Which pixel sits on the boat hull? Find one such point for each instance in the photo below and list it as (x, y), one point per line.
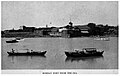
(74, 54)
(15, 41)
(27, 53)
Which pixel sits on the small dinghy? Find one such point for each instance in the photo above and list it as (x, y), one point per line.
(12, 41)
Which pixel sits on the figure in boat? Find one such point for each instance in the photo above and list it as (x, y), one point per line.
(13, 51)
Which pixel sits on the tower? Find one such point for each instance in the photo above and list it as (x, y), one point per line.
(46, 25)
(70, 23)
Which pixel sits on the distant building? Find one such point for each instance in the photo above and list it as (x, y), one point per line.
(27, 29)
(55, 32)
(38, 32)
(84, 30)
(74, 31)
(43, 31)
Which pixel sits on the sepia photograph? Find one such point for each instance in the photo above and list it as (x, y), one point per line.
(59, 35)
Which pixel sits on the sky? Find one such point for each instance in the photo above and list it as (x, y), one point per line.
(57, 13)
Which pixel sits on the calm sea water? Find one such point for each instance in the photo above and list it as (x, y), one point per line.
(55, 57)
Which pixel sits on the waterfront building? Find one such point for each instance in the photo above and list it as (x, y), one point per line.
(43, 31)
(55, 32)
(27, 29)
(70, 30)
(84, 30)
(74, 30)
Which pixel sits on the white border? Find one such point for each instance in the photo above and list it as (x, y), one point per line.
(84, 71)
(90, 71)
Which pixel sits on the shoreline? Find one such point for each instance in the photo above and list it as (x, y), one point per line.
(64, 37)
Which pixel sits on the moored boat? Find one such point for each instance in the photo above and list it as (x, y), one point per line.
(85, 52)
(12, 41)
(19, 38)
(41, 53)
(102, 39)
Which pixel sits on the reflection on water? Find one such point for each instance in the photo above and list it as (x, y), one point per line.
(15, 59)
(71, 59)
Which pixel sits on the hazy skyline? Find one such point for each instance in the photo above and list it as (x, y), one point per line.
(39, 13)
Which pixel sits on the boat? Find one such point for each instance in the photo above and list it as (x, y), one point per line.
(85, 52)
(15, 40)
(102, 39)
(32, 53)
(19, 38)
(12, 41)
